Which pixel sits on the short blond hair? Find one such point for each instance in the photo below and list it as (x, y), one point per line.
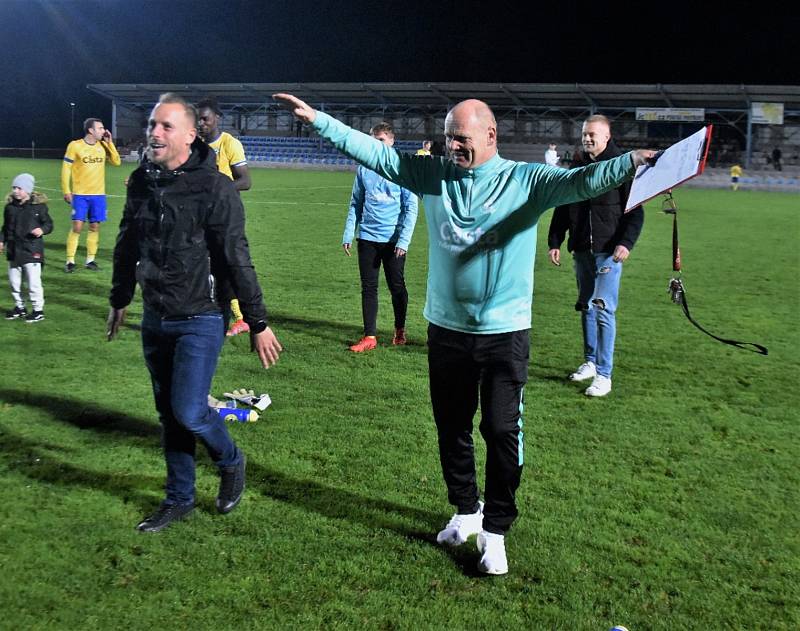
(598, 118)
(189, 109)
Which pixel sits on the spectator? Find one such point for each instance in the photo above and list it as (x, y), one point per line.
(601, 236)
(776, 159)
(25, 221)
(551, 155)
(426, 148)
(385, 214)
(84, 165)
(736, 173)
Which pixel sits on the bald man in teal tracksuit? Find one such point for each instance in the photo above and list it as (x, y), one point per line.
(482, 212)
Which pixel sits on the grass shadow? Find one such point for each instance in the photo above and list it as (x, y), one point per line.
(309, 495)
(336, 503)
(83, 415)
(36, 461)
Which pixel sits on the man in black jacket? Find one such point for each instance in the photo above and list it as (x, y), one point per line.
(601, 236)
(182, 234)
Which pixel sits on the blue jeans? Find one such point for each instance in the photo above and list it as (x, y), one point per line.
(598, 278)
(181, 356)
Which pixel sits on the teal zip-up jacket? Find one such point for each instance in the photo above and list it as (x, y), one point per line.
(481, 224)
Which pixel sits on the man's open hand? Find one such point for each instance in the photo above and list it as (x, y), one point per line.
(300, 109)
(267, 346)
(116, 318)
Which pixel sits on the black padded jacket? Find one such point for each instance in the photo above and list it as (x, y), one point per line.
(599, 224)
(182, 236)
(19, 220)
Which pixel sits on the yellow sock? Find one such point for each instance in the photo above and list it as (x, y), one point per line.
(237, 313)
(72, 245)
(92, 245)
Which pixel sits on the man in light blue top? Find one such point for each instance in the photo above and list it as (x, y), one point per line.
(385, 214)
(482, 212)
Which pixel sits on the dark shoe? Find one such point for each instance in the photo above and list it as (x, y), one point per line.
(34, 316)
(92, 266)
(164, 516)
(15, 313)
(69, 268)
(231, 486)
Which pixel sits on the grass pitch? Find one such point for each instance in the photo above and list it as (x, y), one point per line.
(670, 504)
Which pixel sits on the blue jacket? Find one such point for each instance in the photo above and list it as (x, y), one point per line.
(384, 212)
(481, 224)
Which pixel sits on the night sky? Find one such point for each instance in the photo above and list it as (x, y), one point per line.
(51, 50)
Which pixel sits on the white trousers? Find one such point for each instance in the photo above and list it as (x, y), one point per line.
(33, 277)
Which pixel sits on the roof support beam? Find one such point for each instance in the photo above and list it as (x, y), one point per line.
(512, 96)
(440, 94)
(589, 99)
(378, 95)
(665, 95)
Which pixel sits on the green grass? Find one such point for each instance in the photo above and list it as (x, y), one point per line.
(671, 504)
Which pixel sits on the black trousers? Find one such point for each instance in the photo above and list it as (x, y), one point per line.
(370, 257)
(463, 368)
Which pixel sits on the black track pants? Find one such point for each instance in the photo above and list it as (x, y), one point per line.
(465, 368)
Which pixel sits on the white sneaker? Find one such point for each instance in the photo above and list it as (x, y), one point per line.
(460, 527)
(585, 371)
(493, 553)
(600, 387)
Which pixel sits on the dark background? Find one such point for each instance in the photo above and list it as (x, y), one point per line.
(51, 50)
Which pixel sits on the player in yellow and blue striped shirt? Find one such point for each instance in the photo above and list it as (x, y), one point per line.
(84, 164)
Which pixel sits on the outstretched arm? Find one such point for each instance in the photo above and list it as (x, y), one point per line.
(640, 157)
(406, 171)
(301, 110)
(557, 187)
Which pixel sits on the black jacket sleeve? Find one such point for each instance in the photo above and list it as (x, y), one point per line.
(559, 224)
(230, 253)
(4, 228)
(126, 255)
(46, 222)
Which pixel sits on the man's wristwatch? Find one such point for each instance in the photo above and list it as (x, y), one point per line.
(258, 327)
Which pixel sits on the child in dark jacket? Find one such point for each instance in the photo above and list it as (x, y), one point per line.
(25, 220)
